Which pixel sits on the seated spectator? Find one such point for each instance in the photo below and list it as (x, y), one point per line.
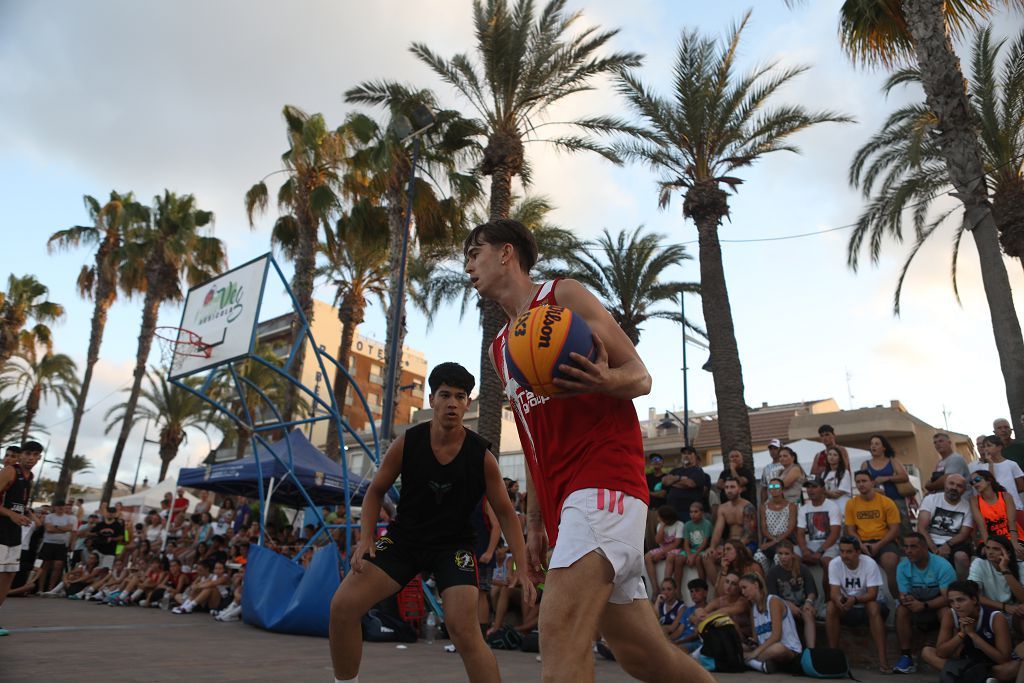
(729, 602)
(668, 537)
(774, 628)
(204, 590)
(668, 607)
(950, 462)
(838, 480)
(793, 582)
(792, 476)
(994, 511)
(1007, 472)
(81, 576)
(175, 581)
(828, 439)
(974, 632)
(818, 528)
(233, 612)
(156, 575)
(874, 520)
(696, 538)
(744, 476)
(153, 529)
(734, 557)
(778, 521)
(771, 470)
(97, 589)
(685, 634)
(947, 524)
(999, 574)
(854, 579)
(736, 519)
(922, 578)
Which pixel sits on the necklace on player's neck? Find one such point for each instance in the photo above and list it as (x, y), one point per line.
(526, 304)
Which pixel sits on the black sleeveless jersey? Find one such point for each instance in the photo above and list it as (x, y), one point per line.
(437, 500)
(14, 497)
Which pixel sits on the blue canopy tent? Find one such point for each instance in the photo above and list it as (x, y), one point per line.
(319, 475)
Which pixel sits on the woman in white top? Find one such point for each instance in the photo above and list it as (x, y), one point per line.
(773, 626)
(838, 480)
(792, 475)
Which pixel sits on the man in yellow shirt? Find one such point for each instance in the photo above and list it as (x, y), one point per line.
(873, 518)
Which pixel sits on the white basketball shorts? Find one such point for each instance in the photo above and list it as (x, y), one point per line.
(612, 523)
(10, 559)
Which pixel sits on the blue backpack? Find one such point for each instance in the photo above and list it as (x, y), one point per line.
(825, 662)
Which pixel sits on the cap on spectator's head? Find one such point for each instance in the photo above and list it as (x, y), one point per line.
(774, 443)
(111, 509)
(825, 429)
(656, 458)
(814, 481)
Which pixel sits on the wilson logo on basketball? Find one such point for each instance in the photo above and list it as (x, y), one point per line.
(553, 315)
(225, 302)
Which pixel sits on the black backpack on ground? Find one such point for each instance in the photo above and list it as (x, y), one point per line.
(825, 662)
(382, 627)
(721, 642)
(505, 638)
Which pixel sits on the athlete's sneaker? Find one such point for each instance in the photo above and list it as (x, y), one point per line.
(905, 665)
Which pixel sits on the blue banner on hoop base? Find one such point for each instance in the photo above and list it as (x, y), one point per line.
(281, 596)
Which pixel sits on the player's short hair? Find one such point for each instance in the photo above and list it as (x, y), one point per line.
(452, 374)
(31, 447)
(505, 231)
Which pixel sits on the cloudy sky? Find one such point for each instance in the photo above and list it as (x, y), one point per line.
(188, 96)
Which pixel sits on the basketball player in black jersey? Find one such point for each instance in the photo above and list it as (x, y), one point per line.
(15, 491)
(445, 470)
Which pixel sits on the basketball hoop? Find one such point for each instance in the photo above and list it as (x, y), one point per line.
(177, 344)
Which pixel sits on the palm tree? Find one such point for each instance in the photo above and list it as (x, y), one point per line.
(99, 282)
(887, 31)
(307, 199)
(902, 167)
(382, 168)
(158, 254)
(715, 123)
(75, 464)
(626, 271)
(52, 377)
(357, 266)
(527, 62)
(172, 410)
(24, 301)
(12, 418)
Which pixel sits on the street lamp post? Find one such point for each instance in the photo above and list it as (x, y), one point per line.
(686, 393)
(423, 119)
(138, 465)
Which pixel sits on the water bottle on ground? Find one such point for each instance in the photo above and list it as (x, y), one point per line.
(430, 629)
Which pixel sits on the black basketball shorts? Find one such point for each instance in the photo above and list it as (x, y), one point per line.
(453, 565)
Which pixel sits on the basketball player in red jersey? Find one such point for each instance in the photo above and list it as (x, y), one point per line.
(588, 492)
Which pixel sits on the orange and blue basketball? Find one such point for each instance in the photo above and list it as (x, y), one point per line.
(542, 339)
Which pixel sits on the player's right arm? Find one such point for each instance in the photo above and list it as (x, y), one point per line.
(7, 476)
(387, 473)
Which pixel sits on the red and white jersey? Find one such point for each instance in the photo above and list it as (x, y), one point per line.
(581, 442)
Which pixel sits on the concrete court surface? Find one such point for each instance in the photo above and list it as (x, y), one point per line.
(65, 641)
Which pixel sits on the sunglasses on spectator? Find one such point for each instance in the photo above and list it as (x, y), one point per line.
(774, 486)
(976, 479)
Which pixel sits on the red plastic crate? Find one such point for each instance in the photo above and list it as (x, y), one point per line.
(411, 606)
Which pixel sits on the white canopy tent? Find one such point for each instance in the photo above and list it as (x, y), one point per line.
(145, 500)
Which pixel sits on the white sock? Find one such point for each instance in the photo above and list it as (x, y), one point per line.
(756, 665)
(347, 680)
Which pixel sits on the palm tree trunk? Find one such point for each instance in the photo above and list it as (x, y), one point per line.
(706, 203)
(104, 297)
(946, 95)
(169, 447)
(10, 327)
(150, 308)
(31, 410)
(351, 315)
(302, 287)
(396, 232)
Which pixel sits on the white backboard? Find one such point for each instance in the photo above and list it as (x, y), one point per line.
(224, 312)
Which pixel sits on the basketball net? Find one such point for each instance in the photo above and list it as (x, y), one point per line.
(176, 344)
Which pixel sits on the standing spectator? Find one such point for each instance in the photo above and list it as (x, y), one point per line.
(81, 535)
(1013, 449)
(794, 583)
(946, 522)
(734, 469)
(854, 581)
(778, 522)
(887, 471)
(79, 510)
(950, 462)
(107, 534)
(180, 505)
(204, 503)
(773, 625)
(686, 484)
(1007, 472)
(771, 470)
(994, 512)
(828, 439)
(973, 632)
(838, 480)
(658, 495)
(668, 539)
(792, 475)
(59, 526)
(922, 579)
(818, 528)
(1000, 576)
(874, 521)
